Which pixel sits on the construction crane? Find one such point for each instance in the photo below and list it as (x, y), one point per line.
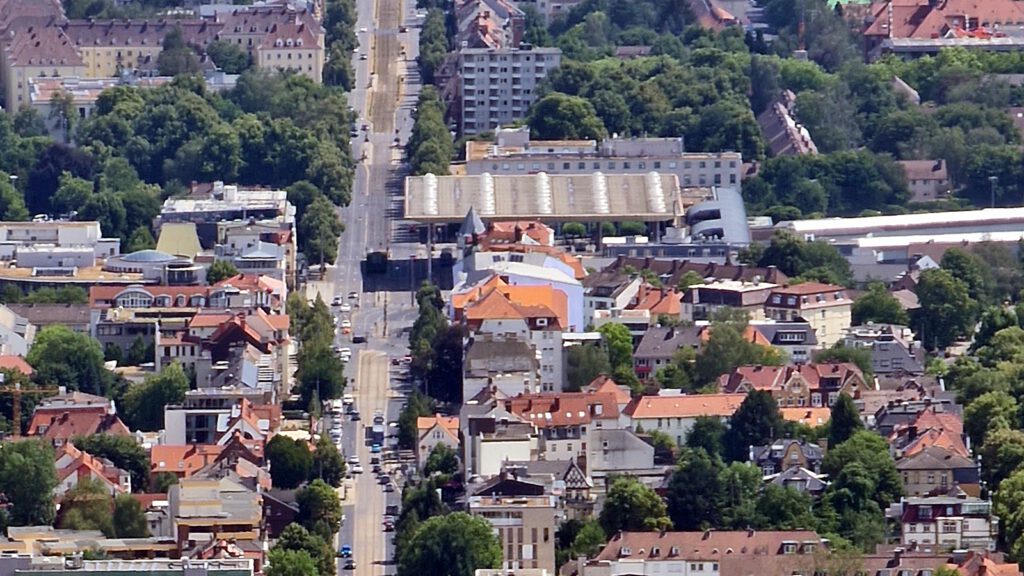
(16, 391)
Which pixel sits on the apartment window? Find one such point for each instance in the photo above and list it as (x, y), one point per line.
(657, 164)
(581, 166)
(950, 526)
(625, 165)
(672, 164)
(611, 165)
(565, 165)
(718, 163)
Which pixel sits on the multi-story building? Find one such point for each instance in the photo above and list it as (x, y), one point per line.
(70, 415)
(31, 52)
(264, 33)
(826, 307)
(226, 202)
(894, 349)
(498, 86)
(609, 290)
(659, 346)
(783, 454)
(512, 152)
(435, 430)
(957, 522)
(26, 243)
(701, 301)
(204, 510)
(796, 340)
(928, 180)
(796, 386)
(239, 240)
(111, 47)
(550, 9)
(525, 526)
(935, 470)
(675, 414)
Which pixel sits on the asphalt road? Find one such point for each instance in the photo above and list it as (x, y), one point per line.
(386, 89)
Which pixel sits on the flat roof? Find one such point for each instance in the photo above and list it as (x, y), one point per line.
(966, 237)
(545, 197)
(879, 224)
(736, 286)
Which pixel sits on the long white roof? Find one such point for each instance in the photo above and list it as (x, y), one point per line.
(879, 224)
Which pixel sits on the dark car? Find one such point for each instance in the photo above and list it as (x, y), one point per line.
(391, 510)
(350, 565)
(359, 339)
(389, 526)
(356, 417)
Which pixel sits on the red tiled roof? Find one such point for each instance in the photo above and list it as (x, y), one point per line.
(99, 294)
(710, 545)
(563, 409)
(182, 460)
(604, 384)
(85, 464)
(64, 423)
(685, 406)
(11, 362)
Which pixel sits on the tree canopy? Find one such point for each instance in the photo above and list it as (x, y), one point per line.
(456, 544)
(631, 506)
(290, 461)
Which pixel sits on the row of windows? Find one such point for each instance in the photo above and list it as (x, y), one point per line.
(625, 164)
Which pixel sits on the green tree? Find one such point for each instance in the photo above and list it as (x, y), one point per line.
(727, 349)
(107, 209)
(27, 479)
(281, 562)
(296, 538)
(129, 518)
(319, 231)
(970, 270)
(162, 482)
(319, 509)
(860, 357)
(844, 422)
(989, 412)
(809, 260)
(72, 194)
(1001, 454)
(1008, 503)
(290, 462)
(559, 116)
(631, 506)
(454, 545)
(138, 352)
(679, 373)
(62, 357)
(785, 508)
(176, 57)
(739, 485)
(443, 459)
(574, 230)
(619, 344)
(87, 506)
(416, 405)
(708, 434)
(328, 465)
(228, 57)
(123, 451)
(755, 423)
(871, 453)
(584, 363)
(12, 203)
(690, 278)
(433, 44)
(320, 373)
(693, 491)
(143, 405)
(946, 310)
(879, 306)
(220, 270)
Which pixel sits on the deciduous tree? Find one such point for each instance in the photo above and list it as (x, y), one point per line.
(454, 545)
(27, 479)
(290, 461)
(631, 506)
(319, 509)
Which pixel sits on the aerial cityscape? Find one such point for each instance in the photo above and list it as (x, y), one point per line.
(512, 287)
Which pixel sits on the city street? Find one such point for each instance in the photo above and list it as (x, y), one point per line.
(386, 90)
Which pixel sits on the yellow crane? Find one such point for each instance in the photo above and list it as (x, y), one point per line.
(15, 390)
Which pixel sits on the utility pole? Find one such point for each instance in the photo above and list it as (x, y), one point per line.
(993, 181)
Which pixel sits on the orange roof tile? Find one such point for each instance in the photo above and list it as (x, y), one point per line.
(553, 300)
(11, 362)
(62, 423)
(563, 409)
(446, 422)
(184, 460)
(659, 300)
(806, 416)
(604, 384)
(462, 299)
(204, 320)
(685, 406)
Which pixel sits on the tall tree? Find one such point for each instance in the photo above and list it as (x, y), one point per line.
(176, 57)
(220, 270)
(328, 465)
(319, 230)
(296, 538)
(442, 459)
(755, 423)
(844, 422)
(693, 491)
(123, 451)
(319, 509)
(989, 412)
(454, 545)
(969, 269)
(879, 306)
(559, 116)
(290, 461)
(619, 344)
(290, 563)
(87, 506)
(143, 405)
(708, 433)
(946, 309)
(62, 357)
(631, 506)
(871, 453)
(129, 518)
(27, 479)
(583, 363)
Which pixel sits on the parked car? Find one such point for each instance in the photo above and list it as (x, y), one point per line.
(357, 469)
(350, 565)
(375, 449)
(346, 551)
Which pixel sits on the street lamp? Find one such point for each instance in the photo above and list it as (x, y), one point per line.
(993, 180)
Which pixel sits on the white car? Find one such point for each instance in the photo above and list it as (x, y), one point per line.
(345, 308)
(353, 459)
(357, 468)
(362, 30)
(347, 399)
(346, 323)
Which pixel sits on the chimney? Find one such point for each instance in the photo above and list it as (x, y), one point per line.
(707, 534)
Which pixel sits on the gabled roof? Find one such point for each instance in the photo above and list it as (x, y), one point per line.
(807, 416)
(449, 424)
(604, 384)
(63, 423)
(472, 225)
(563, 409)
(82, 463)
(934, 458)
(710, 545)
(664, 341)
(184, 460)
(799, 476)
(659, 301)
(11, 362)
(684, 406)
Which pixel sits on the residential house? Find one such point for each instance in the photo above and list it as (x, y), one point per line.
(975, 564)
(935, 470)
(784, 135)
(928, 180)
(825, 306)
(659, 346)
(238, 241)
(808, 416)
(671, 271)
(525, 527)
(636, 321)
(915, 29)
(603, 384)
(797, 340)
(66, 416)
(196, 422)
(613, 452)
(533, 314)
(510, 365)
(435, 430)
(894, 350)
(929, 427)
(799, 479)
(609, 290)
(561, 478)
(73, 316)
(796, 386)
(567, 422)
(659, 302)
(958, 522)
(182, 460)
(204, 509)
(73, 465)
(783, 454)
(702, 301)
(675, 414)
(708, 553)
